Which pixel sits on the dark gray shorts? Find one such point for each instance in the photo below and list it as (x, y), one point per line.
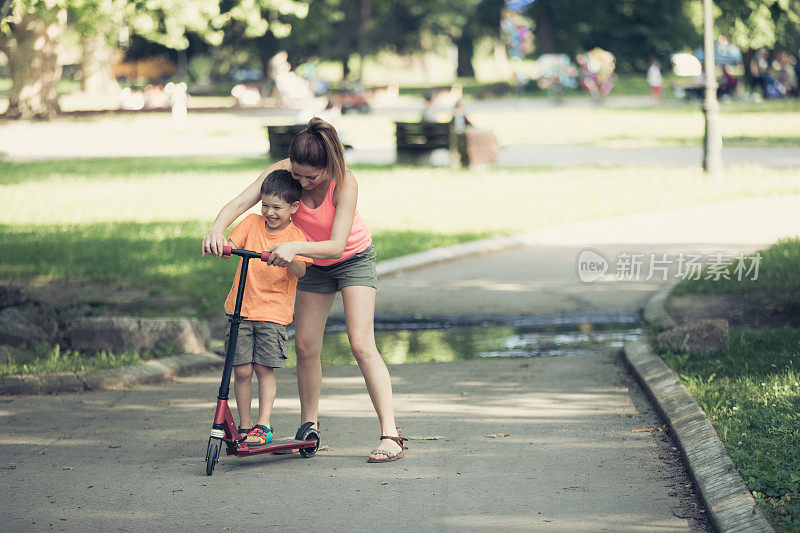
(260, 342)
(358, 269)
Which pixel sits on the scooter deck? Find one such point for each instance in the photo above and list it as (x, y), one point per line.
(281, 444)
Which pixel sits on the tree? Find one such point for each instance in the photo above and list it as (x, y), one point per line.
(634, 31)
(35, 70)
(32, 48)
(464, 22)
(337, 29)
(752, 24)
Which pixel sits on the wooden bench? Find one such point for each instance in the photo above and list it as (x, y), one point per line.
(280, 137)
(416, 141)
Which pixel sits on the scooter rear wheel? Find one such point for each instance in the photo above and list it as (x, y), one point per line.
(311, 450)
(212, 455)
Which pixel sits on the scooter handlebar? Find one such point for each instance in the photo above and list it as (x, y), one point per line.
(227, 251)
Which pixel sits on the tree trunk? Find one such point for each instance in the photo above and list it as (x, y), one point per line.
(345, 67)
(96, 74)
(362, 38)
(466, 47)
(32, 51)
(545, 30)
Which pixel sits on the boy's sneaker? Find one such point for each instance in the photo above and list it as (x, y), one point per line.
(261, 433)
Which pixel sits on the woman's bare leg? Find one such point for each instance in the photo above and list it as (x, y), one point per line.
(359, 315)
(311, 311)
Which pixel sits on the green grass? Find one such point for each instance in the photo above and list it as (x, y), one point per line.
(752, 396)
(159, 256)
(46, 360)
(752, 392)
(778, 278)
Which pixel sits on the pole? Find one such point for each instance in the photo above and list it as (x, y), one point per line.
(712, 154)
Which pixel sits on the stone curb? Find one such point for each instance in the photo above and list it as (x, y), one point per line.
(153, 371)
(454, 251)
(729, 504)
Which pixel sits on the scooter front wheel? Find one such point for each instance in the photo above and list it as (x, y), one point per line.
(212, 455)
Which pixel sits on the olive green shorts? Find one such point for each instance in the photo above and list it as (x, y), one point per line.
(260, 342)
(358, 269)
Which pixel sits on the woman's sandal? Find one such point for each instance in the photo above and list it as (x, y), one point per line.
(390, 455)
(261, 433)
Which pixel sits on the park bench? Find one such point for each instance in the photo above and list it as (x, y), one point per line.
(280, 137)
(417, 142)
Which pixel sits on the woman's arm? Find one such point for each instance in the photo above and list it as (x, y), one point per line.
(345, 200)
(215, 240)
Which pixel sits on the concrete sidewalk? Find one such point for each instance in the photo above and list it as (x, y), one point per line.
(133, 460)
(581, 453)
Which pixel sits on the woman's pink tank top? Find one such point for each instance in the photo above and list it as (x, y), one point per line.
(317, 224)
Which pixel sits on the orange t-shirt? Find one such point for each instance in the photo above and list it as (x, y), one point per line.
(269, 290)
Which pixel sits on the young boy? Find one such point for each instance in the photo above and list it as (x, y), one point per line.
(268, 302)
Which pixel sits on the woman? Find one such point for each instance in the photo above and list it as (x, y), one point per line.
(344, 260)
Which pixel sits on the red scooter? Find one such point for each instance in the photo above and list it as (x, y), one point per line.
(224, 429)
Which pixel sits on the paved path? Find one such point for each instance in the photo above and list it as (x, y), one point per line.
(132, 460)
(572, 462)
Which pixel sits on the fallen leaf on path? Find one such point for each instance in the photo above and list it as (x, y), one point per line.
(68, 468)
(645, 430)
(496, 435)
(432, 437)
(113, 446)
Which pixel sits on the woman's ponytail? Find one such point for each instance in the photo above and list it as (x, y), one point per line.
(318, 146)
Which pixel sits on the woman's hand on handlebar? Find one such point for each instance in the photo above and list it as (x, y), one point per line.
(282, 254)
(213, 243)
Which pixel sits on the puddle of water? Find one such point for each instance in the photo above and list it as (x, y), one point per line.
(462, 343)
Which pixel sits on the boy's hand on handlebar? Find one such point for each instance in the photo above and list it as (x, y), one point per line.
(282, 254)
(213, 243)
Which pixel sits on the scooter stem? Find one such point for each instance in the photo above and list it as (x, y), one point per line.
(235, 320)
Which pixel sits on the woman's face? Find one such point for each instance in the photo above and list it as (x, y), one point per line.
(309, 177)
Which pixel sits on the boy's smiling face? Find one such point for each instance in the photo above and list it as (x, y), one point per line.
(277, 211)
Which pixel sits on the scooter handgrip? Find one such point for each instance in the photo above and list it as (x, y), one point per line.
(265, 255)
(226, 251)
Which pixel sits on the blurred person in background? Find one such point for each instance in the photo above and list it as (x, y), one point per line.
(655, 81)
